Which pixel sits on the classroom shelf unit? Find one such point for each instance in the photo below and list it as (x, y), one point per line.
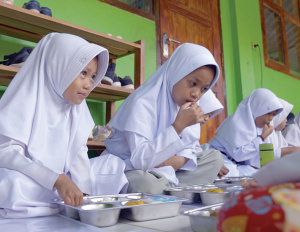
(30, 26)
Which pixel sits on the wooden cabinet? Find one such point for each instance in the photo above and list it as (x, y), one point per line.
(27, 25)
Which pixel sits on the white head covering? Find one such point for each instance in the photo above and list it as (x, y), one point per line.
(150, 109)
(276, 137)
(33, 110)
(239, 128)
(209, 103)
(292, 132)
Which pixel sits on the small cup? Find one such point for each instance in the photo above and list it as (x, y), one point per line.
(107, 184)
(266, 153)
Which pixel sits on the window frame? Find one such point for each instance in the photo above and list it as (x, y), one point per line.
(282, 13)
(151, 16)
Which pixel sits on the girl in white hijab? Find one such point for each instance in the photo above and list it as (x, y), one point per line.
(44, 126)
(239, 136)
(156, 129)
(292, 132)
(279, 142)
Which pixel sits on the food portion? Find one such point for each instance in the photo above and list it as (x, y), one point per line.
(214, 191)
(135, 202)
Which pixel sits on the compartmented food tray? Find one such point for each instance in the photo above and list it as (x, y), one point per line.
(105, 210)
(203, 219)
(198, 193)
(227, 181)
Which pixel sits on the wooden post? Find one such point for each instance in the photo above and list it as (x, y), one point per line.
(139, 65)
(110, 110)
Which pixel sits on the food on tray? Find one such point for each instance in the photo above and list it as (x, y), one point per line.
(135, 203)
(244, 179)
(214, 191)
(209, 213)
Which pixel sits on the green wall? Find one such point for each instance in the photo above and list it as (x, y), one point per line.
(104, 18)
(244, 66)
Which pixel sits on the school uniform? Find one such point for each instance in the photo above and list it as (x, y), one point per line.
(41, 134)
(237, 137)
(142, 131)
(276, 137)
(292, 132)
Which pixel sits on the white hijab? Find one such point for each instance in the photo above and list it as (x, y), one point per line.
(33, 110)
(239, 128)
(210, 104)
(276, 137)
(292, 132)
(150, 109)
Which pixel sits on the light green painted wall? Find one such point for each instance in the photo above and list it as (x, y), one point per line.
(241, 26)
(104, 18)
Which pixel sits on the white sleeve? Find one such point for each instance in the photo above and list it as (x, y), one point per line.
(283, 170)
(80, 170)
(147, 154)
(12, 156)
(191, 164)
(246, 152)
(277, 153)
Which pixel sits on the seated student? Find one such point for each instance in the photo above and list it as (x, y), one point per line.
(211, 107)
(239, 136)
(44, 126)
(292, 132)
(156, 129)
(255, 210)
(279, 143)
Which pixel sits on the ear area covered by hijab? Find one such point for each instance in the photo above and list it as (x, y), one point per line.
(239, 128)
(33, 110)
(276, 137)
(210, 104)
(150, 109)
(292, 132)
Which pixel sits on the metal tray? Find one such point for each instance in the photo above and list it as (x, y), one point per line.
(232, 180)
(202, 219)
(161, 207)
(72, 212)
(97, 213)
(195, 193)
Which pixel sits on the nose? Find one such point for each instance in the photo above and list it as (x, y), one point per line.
(196, 94)
(88, 84)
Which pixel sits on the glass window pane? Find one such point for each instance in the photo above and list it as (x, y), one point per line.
(291, 6)
(145, 5)
(293, 44)
(278, 2)
(274, 35)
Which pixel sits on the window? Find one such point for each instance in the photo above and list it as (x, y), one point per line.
(144, 8)
(281, 35)
(144, 5)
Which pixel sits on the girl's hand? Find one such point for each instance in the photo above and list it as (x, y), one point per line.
(224, 171)
(187, 117)
(68, 191)
(250, 184)
(268, 129)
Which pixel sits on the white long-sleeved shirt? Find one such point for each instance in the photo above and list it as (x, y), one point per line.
(14, 156)
(141, 154)
(248, 153)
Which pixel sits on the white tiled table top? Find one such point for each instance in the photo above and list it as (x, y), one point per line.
(59, 223)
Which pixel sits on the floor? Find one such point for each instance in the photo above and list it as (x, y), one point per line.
(59, 223)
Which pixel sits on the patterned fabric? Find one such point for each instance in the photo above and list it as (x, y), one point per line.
(253, 211)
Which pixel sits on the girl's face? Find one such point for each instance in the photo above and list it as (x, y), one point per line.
(281, 126)
(193, 86)
(264, 119)
(81, 87)
(206, 118)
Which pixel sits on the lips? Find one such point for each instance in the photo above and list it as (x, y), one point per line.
(84, 95)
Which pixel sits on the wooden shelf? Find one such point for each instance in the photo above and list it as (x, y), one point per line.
(27, 25)
(94, 145)
(100, 93)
